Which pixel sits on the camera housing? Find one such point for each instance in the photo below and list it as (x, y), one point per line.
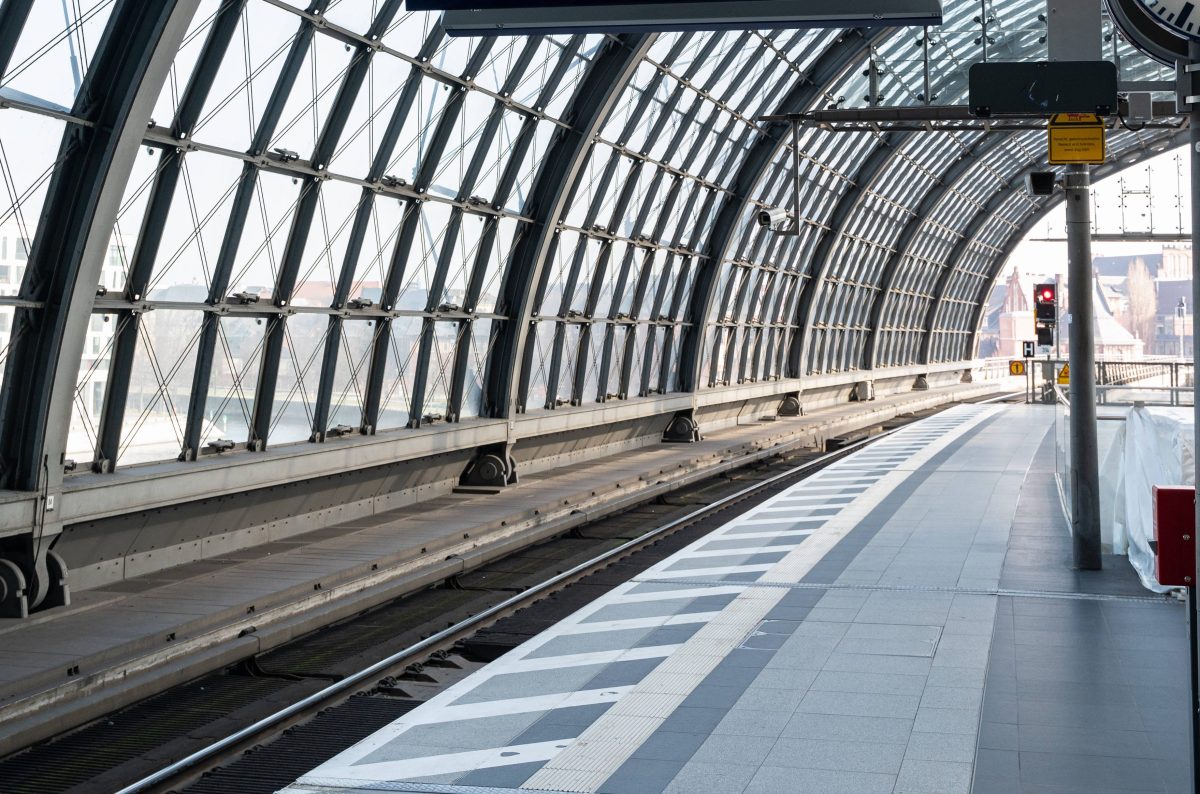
(1040, 183)
(774, 218)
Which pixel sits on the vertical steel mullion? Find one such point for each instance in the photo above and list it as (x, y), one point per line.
(395, 272)
(425, 174)
(589, 312)
(238, 215)
(814, 300)
(416, 415)
(838, 55)
(635, 311)
(210, 327)
(563, 162)
(285, 284)
(568, 295)
(108, 436)
(555, 369)
(606, 353)
(438, 283)
(458, 375)
(945, 185)
(326, 145)
(158, 208)
(610, 334)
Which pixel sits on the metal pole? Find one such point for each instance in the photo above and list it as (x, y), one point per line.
(1085, 475)
(1193, 88)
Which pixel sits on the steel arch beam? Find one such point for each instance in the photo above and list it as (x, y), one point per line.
(822, 259)
(946, 184)
(972, 227)
(846, 49)
(118, 93)
(599, 90)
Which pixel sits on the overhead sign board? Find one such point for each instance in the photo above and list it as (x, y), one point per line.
(1076, 138)
(516, 17)
(1040, 88)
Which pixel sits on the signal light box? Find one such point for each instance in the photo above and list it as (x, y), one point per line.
(518, 17)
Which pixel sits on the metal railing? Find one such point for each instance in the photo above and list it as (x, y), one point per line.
(1161, 381)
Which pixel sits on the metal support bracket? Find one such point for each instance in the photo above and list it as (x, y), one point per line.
(790, 405)
(682, 429)
(492, 467)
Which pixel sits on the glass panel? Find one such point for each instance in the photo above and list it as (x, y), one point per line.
(90, 387)
(350, 378)
(160, 385)
(396, 401)
(229, 406)
(441, 369)
(55, 49)
(481, 349)
(299, 373)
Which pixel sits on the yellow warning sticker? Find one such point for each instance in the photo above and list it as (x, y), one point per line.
(1076, 144)
(1074, 118)
(1064, 375)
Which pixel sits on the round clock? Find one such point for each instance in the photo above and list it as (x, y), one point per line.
(1180, 16)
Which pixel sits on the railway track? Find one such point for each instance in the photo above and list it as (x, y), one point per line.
(261, 724)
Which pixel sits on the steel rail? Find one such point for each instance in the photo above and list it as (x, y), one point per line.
(349, 683)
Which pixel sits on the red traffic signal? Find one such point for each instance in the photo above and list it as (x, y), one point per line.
(1045, 307)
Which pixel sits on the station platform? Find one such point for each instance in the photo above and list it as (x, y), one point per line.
(131, 639)
(906, 620)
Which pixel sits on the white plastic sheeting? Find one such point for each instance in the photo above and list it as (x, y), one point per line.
(1155, 446)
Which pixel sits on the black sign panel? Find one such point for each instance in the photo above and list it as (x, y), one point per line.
(1040, 88)
(489, 5)
(517, 17)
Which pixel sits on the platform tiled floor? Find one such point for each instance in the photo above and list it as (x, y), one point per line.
(847, 635)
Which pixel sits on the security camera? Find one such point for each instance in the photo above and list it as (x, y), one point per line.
(1039, 183)
(774, 218)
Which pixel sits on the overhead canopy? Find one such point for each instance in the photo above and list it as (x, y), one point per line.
(271, 222)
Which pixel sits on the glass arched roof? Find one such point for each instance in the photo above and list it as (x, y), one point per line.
(278, 222)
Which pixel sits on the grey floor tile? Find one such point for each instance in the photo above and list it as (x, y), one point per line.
(1059, 769)
(879, 683)
(1084, 740)
(952, 697)
(730, 748)
(771, 700)
(931, 720)
(774, 780)
(691, 719)
(860, 705)
(641, 775)
(798, 679)
(849, 728)
(715, 777)
(500, 776)
(836, 755)
(933, 777)
(872, 663)
(998, 736)
(751, 722)
(956, 747)
(669, 746)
